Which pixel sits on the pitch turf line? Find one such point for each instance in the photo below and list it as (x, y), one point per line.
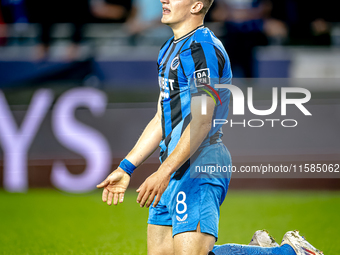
(49, 222)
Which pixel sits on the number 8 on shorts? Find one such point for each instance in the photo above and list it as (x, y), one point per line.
(181, 202)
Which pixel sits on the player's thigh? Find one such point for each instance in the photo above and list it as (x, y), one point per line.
(160, 241)
(193, 243)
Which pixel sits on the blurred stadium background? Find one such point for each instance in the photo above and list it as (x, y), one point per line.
(67, 64)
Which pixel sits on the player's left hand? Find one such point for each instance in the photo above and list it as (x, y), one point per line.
(153, 186)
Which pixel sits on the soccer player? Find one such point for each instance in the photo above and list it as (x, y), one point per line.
(184, 196)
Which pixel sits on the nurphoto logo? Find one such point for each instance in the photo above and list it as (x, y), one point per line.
(239, 105)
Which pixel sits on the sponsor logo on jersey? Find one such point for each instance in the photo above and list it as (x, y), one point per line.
(182, 219)
(166, 85)
(202, 77)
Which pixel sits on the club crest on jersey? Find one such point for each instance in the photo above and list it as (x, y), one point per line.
(175, 63)
(202, 77)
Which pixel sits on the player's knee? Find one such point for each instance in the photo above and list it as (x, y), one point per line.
(165, 248)
(160, 240)
(193, 243)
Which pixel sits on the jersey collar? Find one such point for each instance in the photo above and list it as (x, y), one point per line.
(187, 35)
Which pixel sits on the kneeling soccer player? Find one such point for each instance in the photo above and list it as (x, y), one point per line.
(188, 188)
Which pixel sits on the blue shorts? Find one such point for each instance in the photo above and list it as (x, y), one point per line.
(188, 201)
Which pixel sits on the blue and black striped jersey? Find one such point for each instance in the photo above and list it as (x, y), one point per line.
(187, 67)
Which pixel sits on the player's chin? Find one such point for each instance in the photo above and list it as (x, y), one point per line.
(165, 20)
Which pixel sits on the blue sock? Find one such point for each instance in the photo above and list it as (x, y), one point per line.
(237, 249)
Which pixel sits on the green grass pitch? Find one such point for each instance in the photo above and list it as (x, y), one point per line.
(46, 221)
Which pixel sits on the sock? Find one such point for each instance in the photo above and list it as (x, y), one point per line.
(237, 249)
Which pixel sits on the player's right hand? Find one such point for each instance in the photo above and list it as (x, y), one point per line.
(115, 186)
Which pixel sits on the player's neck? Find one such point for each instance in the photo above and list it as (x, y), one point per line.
(181, 30)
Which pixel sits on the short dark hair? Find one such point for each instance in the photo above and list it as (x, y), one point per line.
(206, 5)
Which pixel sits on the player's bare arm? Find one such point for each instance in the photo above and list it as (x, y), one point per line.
(148, 141)
(194, 134)
(117, 182)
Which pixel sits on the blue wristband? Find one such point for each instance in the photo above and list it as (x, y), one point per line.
(127, 166)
